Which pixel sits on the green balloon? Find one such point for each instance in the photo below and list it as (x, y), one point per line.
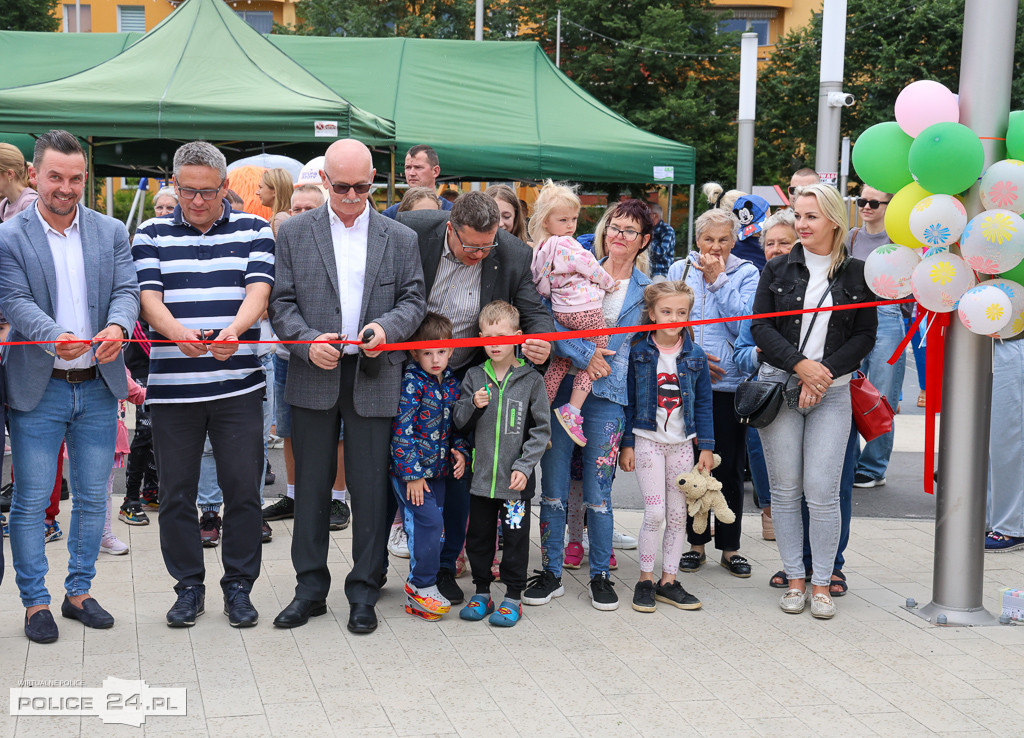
(880, 157)
(1015, 135)
(1016, 274)
(946, 158)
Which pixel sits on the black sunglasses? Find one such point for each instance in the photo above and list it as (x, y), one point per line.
(341, 188)
(873, 204)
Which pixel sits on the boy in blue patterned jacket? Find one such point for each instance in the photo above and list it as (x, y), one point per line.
(422, 452)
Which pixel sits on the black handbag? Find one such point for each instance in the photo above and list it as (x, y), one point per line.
(758, 401)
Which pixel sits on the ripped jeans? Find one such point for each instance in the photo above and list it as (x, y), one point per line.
(603, 424)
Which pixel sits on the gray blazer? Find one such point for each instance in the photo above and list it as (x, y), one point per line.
(305, 302)
(28, 297)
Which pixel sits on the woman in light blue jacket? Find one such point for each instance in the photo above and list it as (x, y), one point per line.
(723, 286)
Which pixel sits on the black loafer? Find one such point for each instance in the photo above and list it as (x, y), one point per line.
(90, 614)
(692, 561)
(362, 618)
(41, 628)
(299, 612)
(737, 566)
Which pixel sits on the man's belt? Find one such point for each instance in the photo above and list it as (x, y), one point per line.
(74, 376)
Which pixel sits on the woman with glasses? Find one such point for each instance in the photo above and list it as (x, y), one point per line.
(723, 285)
(164, 202)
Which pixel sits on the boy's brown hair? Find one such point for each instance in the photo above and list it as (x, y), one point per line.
(434, 327)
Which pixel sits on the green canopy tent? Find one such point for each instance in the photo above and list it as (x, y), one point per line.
(201, 73)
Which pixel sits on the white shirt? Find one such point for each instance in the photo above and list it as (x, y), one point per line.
(350, 259)
(72, 304)
(670, 427)
(817, 283)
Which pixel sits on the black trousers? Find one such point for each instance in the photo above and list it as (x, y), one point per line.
(367, 457)
(484, 514)
(235, 426)
(141, 470)
(731, 445)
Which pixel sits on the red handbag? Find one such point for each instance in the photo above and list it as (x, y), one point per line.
(871, 411)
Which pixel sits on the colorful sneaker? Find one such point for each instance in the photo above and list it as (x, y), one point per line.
(460, 564)
(572, 422)
(428, 599)
(573, 555)
(478, 607)
(398, 543)
(998, 543)
(612, 563)
(507, 615)
(496, 569)
(132, 514)
(52, 531)
(150, 499)
(209, 529)
(541, 588)
(413, 609)
(112, 545)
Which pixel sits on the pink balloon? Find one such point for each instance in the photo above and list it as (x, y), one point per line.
(924, 103)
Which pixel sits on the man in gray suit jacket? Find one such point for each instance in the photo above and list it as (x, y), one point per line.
(66, 274)
(343, 271)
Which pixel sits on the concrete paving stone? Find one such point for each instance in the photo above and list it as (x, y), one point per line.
(416, 715)
(48, 726)
(194, 718)
(840, 721)
(894, 723)
(354, 709)
(490, 723)
(784, 727)
(989, 713)
(598, 726)
(932, 712)
(251, 726)
(298, 718)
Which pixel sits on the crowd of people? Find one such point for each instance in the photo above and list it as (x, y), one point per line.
(439, 462)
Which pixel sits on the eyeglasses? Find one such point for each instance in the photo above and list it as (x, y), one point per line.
(628, 235)
(471, 249)
(873, 204)
(340, 188)
(189, 193)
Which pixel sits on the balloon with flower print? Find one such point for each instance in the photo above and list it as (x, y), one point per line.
(888, 268)
(985, 309)
(1002, 186)
(1015, 292)
(993, 241)
(938, 220)
(940, 280)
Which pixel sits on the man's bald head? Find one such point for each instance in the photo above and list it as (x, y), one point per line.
(347, 162)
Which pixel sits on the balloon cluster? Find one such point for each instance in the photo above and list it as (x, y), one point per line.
(929, 160)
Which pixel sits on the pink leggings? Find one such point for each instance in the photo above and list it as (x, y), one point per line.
(587, 320)
(657, 466)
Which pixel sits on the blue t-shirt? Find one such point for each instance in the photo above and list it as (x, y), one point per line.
(392, 211)
(203, 277)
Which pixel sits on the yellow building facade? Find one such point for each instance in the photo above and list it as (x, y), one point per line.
(112, 16)
(770, 19)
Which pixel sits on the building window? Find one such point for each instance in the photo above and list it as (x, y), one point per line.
(131, 18)
(70, 18)
(262, 21)
(743, 25)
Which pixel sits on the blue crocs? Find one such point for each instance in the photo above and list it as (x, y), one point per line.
(507, 615)
(478, 607)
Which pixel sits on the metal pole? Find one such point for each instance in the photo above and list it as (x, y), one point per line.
(689, 230)
(479, 30)
(391, 178)
(668, 215)
(747, 109)
(110, 196)
(844, 167)
(558, 40)
(986, 70)
(78, 16)
(833, 49)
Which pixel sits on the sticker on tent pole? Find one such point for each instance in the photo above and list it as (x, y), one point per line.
(325, 129)
(662, 174)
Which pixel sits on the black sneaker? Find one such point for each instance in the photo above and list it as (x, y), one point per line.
(541, 588)
(675, 595)
(283, 508)
(209, 529)
(267, 534)
(188, 607)
(65, 491)
(865, 481)
(449, 587)
(238, 607)
(602, 596)
(643, 597)
(268, 476)
(340, 515)
(6, 495)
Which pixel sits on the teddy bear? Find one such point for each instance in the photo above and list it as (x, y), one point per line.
(704, 493)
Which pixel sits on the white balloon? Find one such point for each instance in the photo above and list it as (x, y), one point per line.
(993, 241)
(888, 268)
(1015, 292)
(940, 280)
(1002, 186)
(938, 220)
(985, 309)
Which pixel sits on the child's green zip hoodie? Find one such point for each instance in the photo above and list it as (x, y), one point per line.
(512, 432)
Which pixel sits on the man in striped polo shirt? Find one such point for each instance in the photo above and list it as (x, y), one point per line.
(205, 272)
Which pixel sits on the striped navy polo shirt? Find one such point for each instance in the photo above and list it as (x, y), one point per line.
(203, 277)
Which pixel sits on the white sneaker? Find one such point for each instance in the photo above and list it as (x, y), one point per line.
(621, 541)
(275, 441)
(112, 545)
(398, 542)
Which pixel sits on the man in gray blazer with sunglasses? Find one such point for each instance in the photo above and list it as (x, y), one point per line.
(343, 272)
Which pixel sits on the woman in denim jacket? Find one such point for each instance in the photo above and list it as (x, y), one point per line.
(623, 236)
(821, 349)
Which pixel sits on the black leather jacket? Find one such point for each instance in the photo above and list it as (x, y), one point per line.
(851, 333)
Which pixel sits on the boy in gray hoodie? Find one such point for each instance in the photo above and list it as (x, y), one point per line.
(504, 403)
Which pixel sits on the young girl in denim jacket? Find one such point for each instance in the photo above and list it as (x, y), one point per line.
(669, 407)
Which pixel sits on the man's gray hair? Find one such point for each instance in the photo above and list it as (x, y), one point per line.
(200, 154)
(655, 208)
(475, 210)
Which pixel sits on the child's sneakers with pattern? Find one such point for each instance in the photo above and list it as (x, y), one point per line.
(573, 555)
(572, 421)
(429, 599)
(478, 607)
(507, 615)
(413, 609)
(133, 514)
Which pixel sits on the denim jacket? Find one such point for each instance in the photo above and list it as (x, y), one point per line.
(694, 386)
(579, 350)
(744, 353)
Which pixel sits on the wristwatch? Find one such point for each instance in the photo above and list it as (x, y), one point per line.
(124, 332)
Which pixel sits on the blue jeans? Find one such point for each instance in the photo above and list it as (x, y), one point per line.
(1005, 509)
(603, 425)
(85, 416)
(425, 528)
(888, 379)
(758, 471)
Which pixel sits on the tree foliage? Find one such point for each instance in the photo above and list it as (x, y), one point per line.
(29, 15)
